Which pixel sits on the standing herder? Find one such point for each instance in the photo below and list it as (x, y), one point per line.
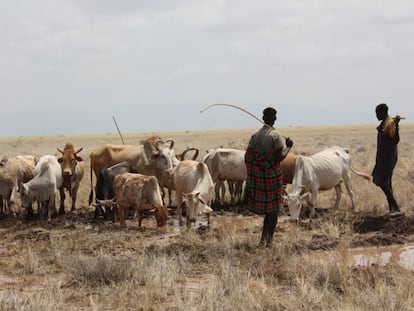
(387, 154)
(263, 192)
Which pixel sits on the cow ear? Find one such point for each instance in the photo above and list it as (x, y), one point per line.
(79, 159)
(25, 189)
(200, 198)
(305, 195)
(207, 209)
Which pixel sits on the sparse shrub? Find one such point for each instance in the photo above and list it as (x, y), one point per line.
(100, 270)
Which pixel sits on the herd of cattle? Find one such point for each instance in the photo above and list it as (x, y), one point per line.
(135, 176)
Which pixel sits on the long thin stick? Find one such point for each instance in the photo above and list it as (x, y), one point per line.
(118, 130)
(242, 109)
(237, 107)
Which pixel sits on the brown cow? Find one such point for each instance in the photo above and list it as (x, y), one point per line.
(72, 172)
(13, 172)
(142, 193)
(149, 158)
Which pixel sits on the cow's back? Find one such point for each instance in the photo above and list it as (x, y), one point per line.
(108, 155)
(228, 164)
(187, 175)
(325, 168)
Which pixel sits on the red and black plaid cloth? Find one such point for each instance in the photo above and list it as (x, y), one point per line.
(263, 191)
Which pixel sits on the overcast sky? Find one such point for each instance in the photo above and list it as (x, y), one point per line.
(69, 66)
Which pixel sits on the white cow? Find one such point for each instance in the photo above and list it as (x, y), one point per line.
(46, 181)
(166, 179)
(194, 189)
(226, 164)
(323, 170)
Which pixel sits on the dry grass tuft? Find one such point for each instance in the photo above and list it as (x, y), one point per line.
(100, 270)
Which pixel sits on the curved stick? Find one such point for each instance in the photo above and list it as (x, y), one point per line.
(240, 108)
(237, 107)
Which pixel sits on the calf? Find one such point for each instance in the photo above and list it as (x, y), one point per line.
(46, 181)
(142, 193)
(194, 188)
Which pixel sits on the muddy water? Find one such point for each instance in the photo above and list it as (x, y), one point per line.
(218, 221)
(383, 255)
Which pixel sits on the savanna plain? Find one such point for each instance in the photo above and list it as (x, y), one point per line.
(77, 262)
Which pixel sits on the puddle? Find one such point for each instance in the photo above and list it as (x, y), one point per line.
(216, 221)
(383, 255)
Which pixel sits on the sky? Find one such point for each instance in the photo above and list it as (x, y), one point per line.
(72, 66)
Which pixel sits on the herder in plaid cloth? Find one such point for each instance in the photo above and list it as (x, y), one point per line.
(263, 191)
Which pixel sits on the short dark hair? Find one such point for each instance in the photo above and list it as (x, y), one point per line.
(382, 107)
(269, 111)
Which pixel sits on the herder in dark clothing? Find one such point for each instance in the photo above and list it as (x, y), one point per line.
(263, 191)
(387, 154)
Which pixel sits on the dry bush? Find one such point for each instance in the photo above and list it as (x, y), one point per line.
(51, 298)
(98, 270)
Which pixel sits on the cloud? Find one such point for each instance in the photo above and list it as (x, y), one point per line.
(145, 58)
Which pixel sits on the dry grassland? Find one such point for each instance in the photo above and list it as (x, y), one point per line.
(77, 263)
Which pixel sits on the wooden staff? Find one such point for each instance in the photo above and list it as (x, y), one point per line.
(119, 132)
(237, 107)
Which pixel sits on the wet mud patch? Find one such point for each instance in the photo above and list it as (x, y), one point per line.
(322, 242)
(401, 224)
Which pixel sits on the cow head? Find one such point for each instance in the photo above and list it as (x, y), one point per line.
(105, 208)
(294, 202)
(195, 206)
(163, 157)
(25, 197)
(161, 214)
(69, 159)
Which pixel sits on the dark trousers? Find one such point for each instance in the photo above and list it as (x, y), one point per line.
(269, 226)
(392, 203)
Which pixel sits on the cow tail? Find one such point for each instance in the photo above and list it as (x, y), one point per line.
(91, 193)
(366, 176)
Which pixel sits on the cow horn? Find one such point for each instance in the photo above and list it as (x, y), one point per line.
(171, 142)
(79, 150)
(59, 150)
(190, 149)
